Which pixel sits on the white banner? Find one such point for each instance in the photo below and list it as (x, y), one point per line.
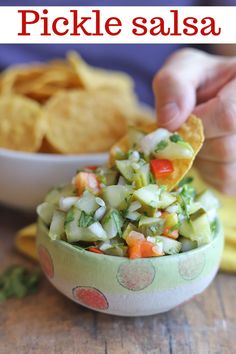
(118, 24)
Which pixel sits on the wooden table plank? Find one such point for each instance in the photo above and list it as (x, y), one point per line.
(49, 323)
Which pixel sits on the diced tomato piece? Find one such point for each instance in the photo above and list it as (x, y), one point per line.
(143, 249)
(134, 251)
(93, 168)
(161, 168)
(95, 250)
(147, 249)
(171, 233)
(139, 247)
(87, 180)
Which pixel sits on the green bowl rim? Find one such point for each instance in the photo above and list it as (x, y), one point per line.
(219, 233)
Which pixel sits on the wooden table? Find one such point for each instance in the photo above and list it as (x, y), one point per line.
(47, 322)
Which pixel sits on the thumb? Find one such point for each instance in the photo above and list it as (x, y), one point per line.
(175, 86)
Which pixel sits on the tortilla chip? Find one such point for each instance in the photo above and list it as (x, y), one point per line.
(95, 78)
(25, 241)
(21, 125)
(17, 75)
(39, 81)
(191, 132)
(86, 121)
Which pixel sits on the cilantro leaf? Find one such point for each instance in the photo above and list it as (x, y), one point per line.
(17, 281)
(155, 229)
(161, 145)
(85, 220)
(186, 197)
(175, 227)
(151, 178)
(185, 180)
(188, 192)
(214, 226)
(175, 138)
(69, 217)
(116, 217)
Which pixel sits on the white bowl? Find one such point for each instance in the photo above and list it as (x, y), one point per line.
(25, 178)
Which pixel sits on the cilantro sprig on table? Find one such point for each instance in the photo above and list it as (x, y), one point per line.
(17, 281)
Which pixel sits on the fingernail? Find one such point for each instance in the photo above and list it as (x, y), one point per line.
(168, 113)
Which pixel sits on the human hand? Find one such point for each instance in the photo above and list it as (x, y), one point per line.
(194, 81)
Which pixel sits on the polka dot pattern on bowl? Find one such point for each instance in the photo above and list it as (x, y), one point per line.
(136, 276)
(90, 297)
(46, 261)
(191, 266)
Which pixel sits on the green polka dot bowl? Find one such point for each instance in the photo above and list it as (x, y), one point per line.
(119, 286)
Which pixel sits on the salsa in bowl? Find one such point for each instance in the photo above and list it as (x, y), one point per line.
(118, 239)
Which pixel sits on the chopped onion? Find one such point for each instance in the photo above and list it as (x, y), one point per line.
(151, 239)
(65, 203)
(134, 206)
(99, 213)
(212, 214)
(174, 208)
(133, 216)
(97, 229)
(100, 202)
(158, 248)
(121, 181)
(149, 142)
(157, 214)
(134, 156)
(105, 246)
(181, 217)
